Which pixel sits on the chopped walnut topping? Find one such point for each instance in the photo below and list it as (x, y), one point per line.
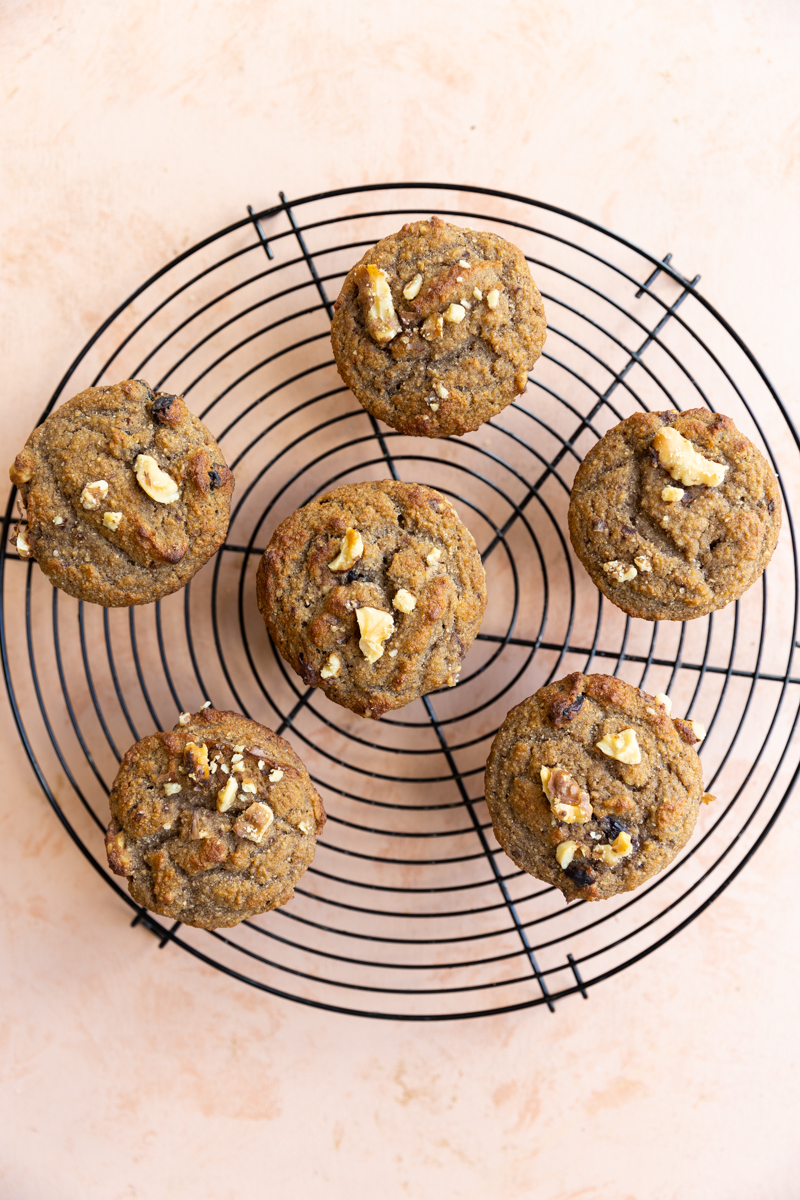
(441, 391)
(195, 762)
(672, 494)
(350, 551)
(332, 667)
(684, 461)
(376, 301)
(698, 730)
(112, 520)
(58, 520)
(492, 298)
(434, 556)
(23, 548)
(452, 680)
(305, 827)
(261, 764)
(404, 601)
(275, 776)
(227, 795)
(249, 787)
(238, 749)
(643, 563)
(93, 493)
(477, 293)
(201, 826)
(663, 701)
(619, 571)
(462, 262)
(224, 768)
(206, 705)
(622, 746)
(412, 289)
(376, 627)
(392, 654)
(621, 847)
(566, 851)
(171, 789)
(184, 718)
(238, 766)
(454, 314)
(567, 801)
(158, 485)
(432, 327)
(254, 822)
(236, 758)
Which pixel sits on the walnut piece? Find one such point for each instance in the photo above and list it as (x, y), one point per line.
(567, 801)
(350, 551)
(432, 327)
(622, 746)
(158, 485)
(254, 822)
(621, 572)
(684, 462)
(404, 602)
(698, 730)
(376, 627)
(663, 701)
(184, 718)
(412, 289)
(454, 314)
(477, 293)
(672, 494)
(201, 825)
(643, 563)
(332, 667)
(441, 391)
(171, 789)
(377, 304)
(195, 762)
(492, 298)
(566, 851)
(23, 548)
(305, 827)
(434, 556)
(621, 847)
(112, 520)
(93, 493)
(275, 776)
(227, 795)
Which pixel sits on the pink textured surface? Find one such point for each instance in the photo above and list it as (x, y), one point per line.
(129, 133)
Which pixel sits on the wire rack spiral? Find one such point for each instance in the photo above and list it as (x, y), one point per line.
(411, 910)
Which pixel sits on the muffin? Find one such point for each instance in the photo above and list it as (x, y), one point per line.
(126, 495)
(592, 786)
(213, 822)
(674, 515)
(436, 328)
(374, 593)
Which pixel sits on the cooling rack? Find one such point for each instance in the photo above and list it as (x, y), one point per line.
(411, 911)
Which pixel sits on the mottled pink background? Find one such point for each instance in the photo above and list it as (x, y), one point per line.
(132, 130)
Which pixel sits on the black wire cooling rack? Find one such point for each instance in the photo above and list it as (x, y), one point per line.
(411, 910)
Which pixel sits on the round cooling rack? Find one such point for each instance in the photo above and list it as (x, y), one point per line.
(411, 910)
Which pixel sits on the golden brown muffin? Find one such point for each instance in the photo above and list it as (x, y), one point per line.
(126, 494)
(374, 593)
(436, 328)
(592, 786)
(213, 822)
(674, 515)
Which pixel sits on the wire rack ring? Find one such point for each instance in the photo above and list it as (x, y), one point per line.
(411, 911)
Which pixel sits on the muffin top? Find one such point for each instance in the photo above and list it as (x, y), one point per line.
(674, 515)
(592, 786)
(213, 822)
(436, 328)
(374, 593)
(126, 495)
